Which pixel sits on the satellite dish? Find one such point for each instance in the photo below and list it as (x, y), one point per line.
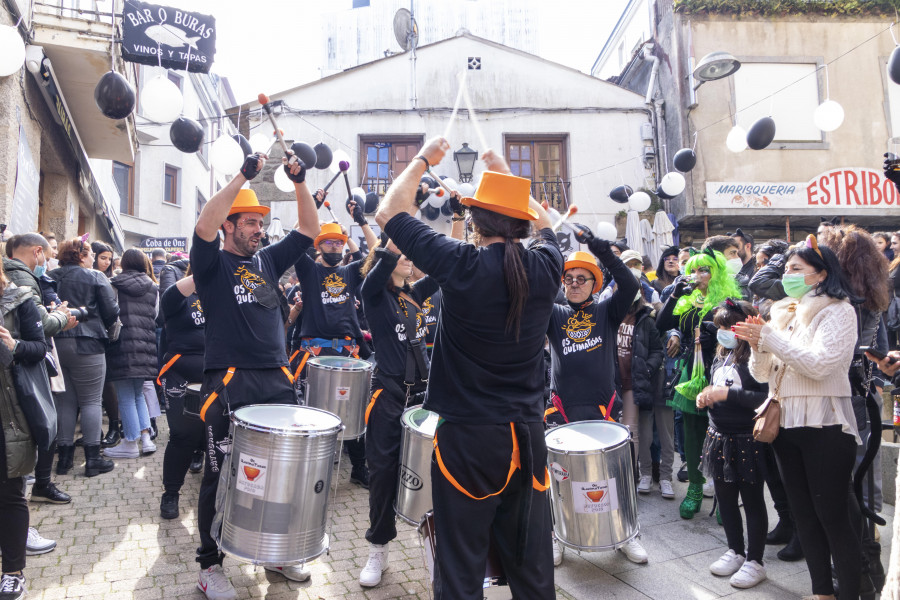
(405, 29)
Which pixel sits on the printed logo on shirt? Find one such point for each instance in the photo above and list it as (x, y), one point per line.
(334, 290)
(578, 334)
(249, 282)
(427, 308)
(197, 312)
(624, 338)
(421, 329)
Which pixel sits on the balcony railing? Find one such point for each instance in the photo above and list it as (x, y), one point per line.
(555, 192)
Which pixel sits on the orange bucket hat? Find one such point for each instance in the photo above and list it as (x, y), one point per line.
(246, 201)
(330, 231)
(585, 260)
(503, 194)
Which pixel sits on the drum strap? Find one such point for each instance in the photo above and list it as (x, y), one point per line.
(212, 397)
(606, 411)
(372, 403)
(514, 463)
(294, 355)
(301, 365)
(288, 373)
(166, 367)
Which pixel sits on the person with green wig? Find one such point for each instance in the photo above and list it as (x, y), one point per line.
(705, 284)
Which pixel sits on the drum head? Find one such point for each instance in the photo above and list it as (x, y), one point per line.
(586, 436)
(420, 420)
(285, 418)
(340, 363)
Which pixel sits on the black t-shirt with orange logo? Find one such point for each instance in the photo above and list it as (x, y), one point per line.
(185, 321)
(240, 332)
(329, 299)
(583, 342)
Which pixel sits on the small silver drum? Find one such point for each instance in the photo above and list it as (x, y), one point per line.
(414, 487)
(278, 481)
(592, 491)
(192, 402)
(341, 386)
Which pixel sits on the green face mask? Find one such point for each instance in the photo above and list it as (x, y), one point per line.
(795, 286)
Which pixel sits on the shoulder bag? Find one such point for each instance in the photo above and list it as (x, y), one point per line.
(768, 418)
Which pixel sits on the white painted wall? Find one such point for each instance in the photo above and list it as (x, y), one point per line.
(634, 28)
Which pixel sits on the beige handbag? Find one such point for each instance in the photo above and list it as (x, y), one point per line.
(768, 419)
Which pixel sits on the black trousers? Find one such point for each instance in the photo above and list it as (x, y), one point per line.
(186, 434)
(13, 523)
(776, 486)
(816, 465)
(247, 386)
(383, 440)
(753, 497)
(44, 466)
(478, 458)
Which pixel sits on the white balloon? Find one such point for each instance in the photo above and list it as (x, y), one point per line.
(12, 50)
(260, 142)
(336, 157)
(436, 201)
(161, 100)
(450, 183)
(828, 116)
(358, 191)
(672, 183)
(466, 190)
(282, 182)
(639, 201)
(737, 139)
(606, 231)
(226, 155)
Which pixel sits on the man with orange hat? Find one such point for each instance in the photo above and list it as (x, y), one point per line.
(582, 335)
(486, 380)
(245, 360)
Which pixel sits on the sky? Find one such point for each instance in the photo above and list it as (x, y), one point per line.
(573, 33)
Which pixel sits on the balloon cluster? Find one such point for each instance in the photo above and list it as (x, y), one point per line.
(318, 157)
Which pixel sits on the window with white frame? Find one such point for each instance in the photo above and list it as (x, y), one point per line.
(796, 95)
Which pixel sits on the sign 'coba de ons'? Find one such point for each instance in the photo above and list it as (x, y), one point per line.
(854, 187)
(173, 37)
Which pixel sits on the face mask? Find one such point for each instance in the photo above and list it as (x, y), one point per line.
(39, 270)
(726, 338)
(332, 258)
(734, 265)
(637, 273)
(795, 286)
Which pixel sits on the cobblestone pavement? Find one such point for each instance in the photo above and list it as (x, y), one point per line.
(113, 545)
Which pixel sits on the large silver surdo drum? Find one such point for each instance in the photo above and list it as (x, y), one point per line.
(279, 480)
(414, 487)
(341, 386)
(592, 485)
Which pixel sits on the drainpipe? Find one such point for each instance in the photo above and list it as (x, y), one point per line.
(655, 107)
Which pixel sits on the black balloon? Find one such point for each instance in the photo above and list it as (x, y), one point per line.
(243, 143)
(761, 133)
(894, 65)
(662, 194)
(305, 153)
(324, 155)
(432, 184)
(114, 96)
(685, 159)
(372, 200)
(621, 193)
(430, 212)
(186, 134)
(446, 209)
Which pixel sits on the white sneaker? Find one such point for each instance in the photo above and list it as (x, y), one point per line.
(377, 564)
(558, 552)
(634, 552)
(709, 489)
(125, 449)
(727, 565)
(751, 573)
(215, 584)
(147, 445)
(295, 573)
(645, 484)
(665, 488)
(36, 544)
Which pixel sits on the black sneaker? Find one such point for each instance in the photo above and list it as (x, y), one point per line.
(196, 462)
(168, 506)
(360, 476)
(682, 473)
(49, 493)
(12, 587)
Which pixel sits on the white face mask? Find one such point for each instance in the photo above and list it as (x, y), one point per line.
(636, 272)
(734, 265)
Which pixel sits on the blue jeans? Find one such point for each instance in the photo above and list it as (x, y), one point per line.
(132, 407)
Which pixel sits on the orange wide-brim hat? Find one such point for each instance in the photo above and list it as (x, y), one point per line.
(585, 260)
(330, 231)
(246, 201)
(504, 194)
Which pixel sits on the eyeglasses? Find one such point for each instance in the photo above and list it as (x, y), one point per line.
(333, 244)
(580, 280)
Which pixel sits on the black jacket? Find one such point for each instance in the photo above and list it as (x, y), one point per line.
(89, 289)
(133, 356)
(767, 281)
(646, 360)
(171, 273)
(735, 415)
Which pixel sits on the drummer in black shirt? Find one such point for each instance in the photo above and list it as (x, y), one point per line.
(487, 379)
(245, 360)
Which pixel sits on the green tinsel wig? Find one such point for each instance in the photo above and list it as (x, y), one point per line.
(722, 285)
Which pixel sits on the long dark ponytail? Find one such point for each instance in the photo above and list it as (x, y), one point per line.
(491, 224)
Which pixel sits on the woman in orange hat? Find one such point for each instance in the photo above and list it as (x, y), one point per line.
(486, 380)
